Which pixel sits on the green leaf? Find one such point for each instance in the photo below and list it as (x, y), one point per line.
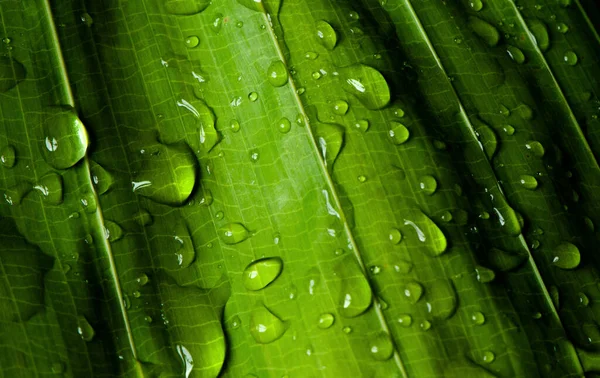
(301, 188)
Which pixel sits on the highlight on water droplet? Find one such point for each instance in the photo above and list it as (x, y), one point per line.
(540, 33)
(65, 138)
(570, 58)
(562, 27)
(51, 188)
(367, 84)
(326, 35)
(260, 273)
(233, 233)
(362, 125)
(326, 320)
(8, 156)
(476, 5)
(398, 133)
(234, 125)
(566, 256)
(113, 230)
(381, 346)
(277, 74)
(265, 327)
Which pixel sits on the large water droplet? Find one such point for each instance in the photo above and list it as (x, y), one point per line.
(65, 138)
(326, 35)
(8, 156)
(427, 184)
(51, 188)
(326, 320)
(186, 7)
(398, 133)
(427, 232)
(233, 233)
(381, 347)
(84, 329)
(540, 33)
(168, 175)
(265, 327)
(277, 74)
(566, 256)
(484, 30)
(261, 273)
(102, 180)
(113, 230)
(356, 294)
(12, 73)
(367, 84)
(330, 138)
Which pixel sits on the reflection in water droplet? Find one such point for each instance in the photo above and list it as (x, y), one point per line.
(476, 5)
(488, 357)
(395, 236)
(234, 125)
(277, 74)
(233, 233)
(114, 231)
(425, 325)
(356, 294)
(12, 73)
(265, 327)
(262, 272)
(236, 322)
(381, 346)
(101, 179)
(65, 138)
(326, 320)
(477, 318)
(326, 35)
(485, 275)
(362, 125)
(566, 256)
(535, 147)
(7, 156)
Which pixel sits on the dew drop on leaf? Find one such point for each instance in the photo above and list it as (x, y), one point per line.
(381, 347)
(476, 5)
(101, 179)
(233, 233)
(488, 357)
(485, 275)
(508, 129)
(583, 299)
(528, 182)
(142, 279)
(398, 133)
(427, 184)
(84, 329)
(540, 33)
(535, 148)
(413, 291)
(217, 23)
(562, 27)
(505, 261)
(355, 294)
(394, 236)
(284, 125)
(570, 58)
(277, 74)
(114, 231)
(425, 325)
(234, 125)
(50, 188)
(311, 55)
(7, 156)
(478, 318)
(566, 256)
(340, 107)
(88, 202)
(143, 218)
(484, 30)
(12, 73)
(367, 84)
(236, 322)
(192, 41)
(265, 327)
(326, 35)
(65, 139)
(253, 96)
(347, 330)
(362, 125)
(262, 272)
(186, 7)
(405, 320)
(515, 54)
(326, 320)
(427, 232)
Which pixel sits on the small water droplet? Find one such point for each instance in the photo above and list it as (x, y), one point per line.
(425, 325)
(316, 75)
(562, 27)
(428, 184)
(347, 330)
(477, 318)
(142, 279)
(277, 74)
(84, 329)
(265, 327)
(311, 55)
(362, 178)
(284, 125)
(8, 156)
(535, 148)
(113, 230)
(340, 107)
(217, 23)
(566, 256)
(515, 54)
(236, 322)
(326, 320)
(192, 41)
(300, 90)
(476, 5)
(570, 58)
(254, 156)
(413, 291)
(362, 125)
(375, 270)
(484, 30)
(583, 299)
(394, 236)
(234, 125)
(427, 232)
(484, 275)
(326, 35)
(262, 272)
(398, 133)
(488, 357)
(508, 129)
(233, 233)
(381, 347)
(253, 96)
(405, 320)
(528, 182)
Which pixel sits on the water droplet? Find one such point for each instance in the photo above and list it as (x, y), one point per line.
(488, 357)
(347, 330)
(425, 325)
(254, 156)
(84, 329)
(233, 233)
(168, 176)
(484, 275)
(326, 320)
(362, 125)
(427, 232)
(484, 30)
(142, 279)
(524, 111)
(375, 270)
(413, 291)
(236, 322)
(528, 182)
(239, 24)
(476, 5)
(503, 110)
(362, 178)
(143, 218)
(186, 7)
(136, 294)
(589, 223)
(508, 129)
(398, 133)
(66, 140)
(562, 27)
(88, 202)
(535, 148)
(316, 75)
(477, 318)
(570, 58)
(554, 295)
(516, 54)
(253, 96)
(284, 125)
(217, 23)
(428, 184)
(113, 230)
(381, 347)
(234, 125)
(395, 236)
(367, 84)
(219, 215)
(311, 55)
(566, 256)
(405, 320)
(300, 90)
(340, 107)
(277, 74)
(12, 73)
(583, 299)
(540, 33)
(262, 272)
(7, 156)
(265, 327)
(326, 35)
(51, 188)
(356, 294)
(192, 41)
